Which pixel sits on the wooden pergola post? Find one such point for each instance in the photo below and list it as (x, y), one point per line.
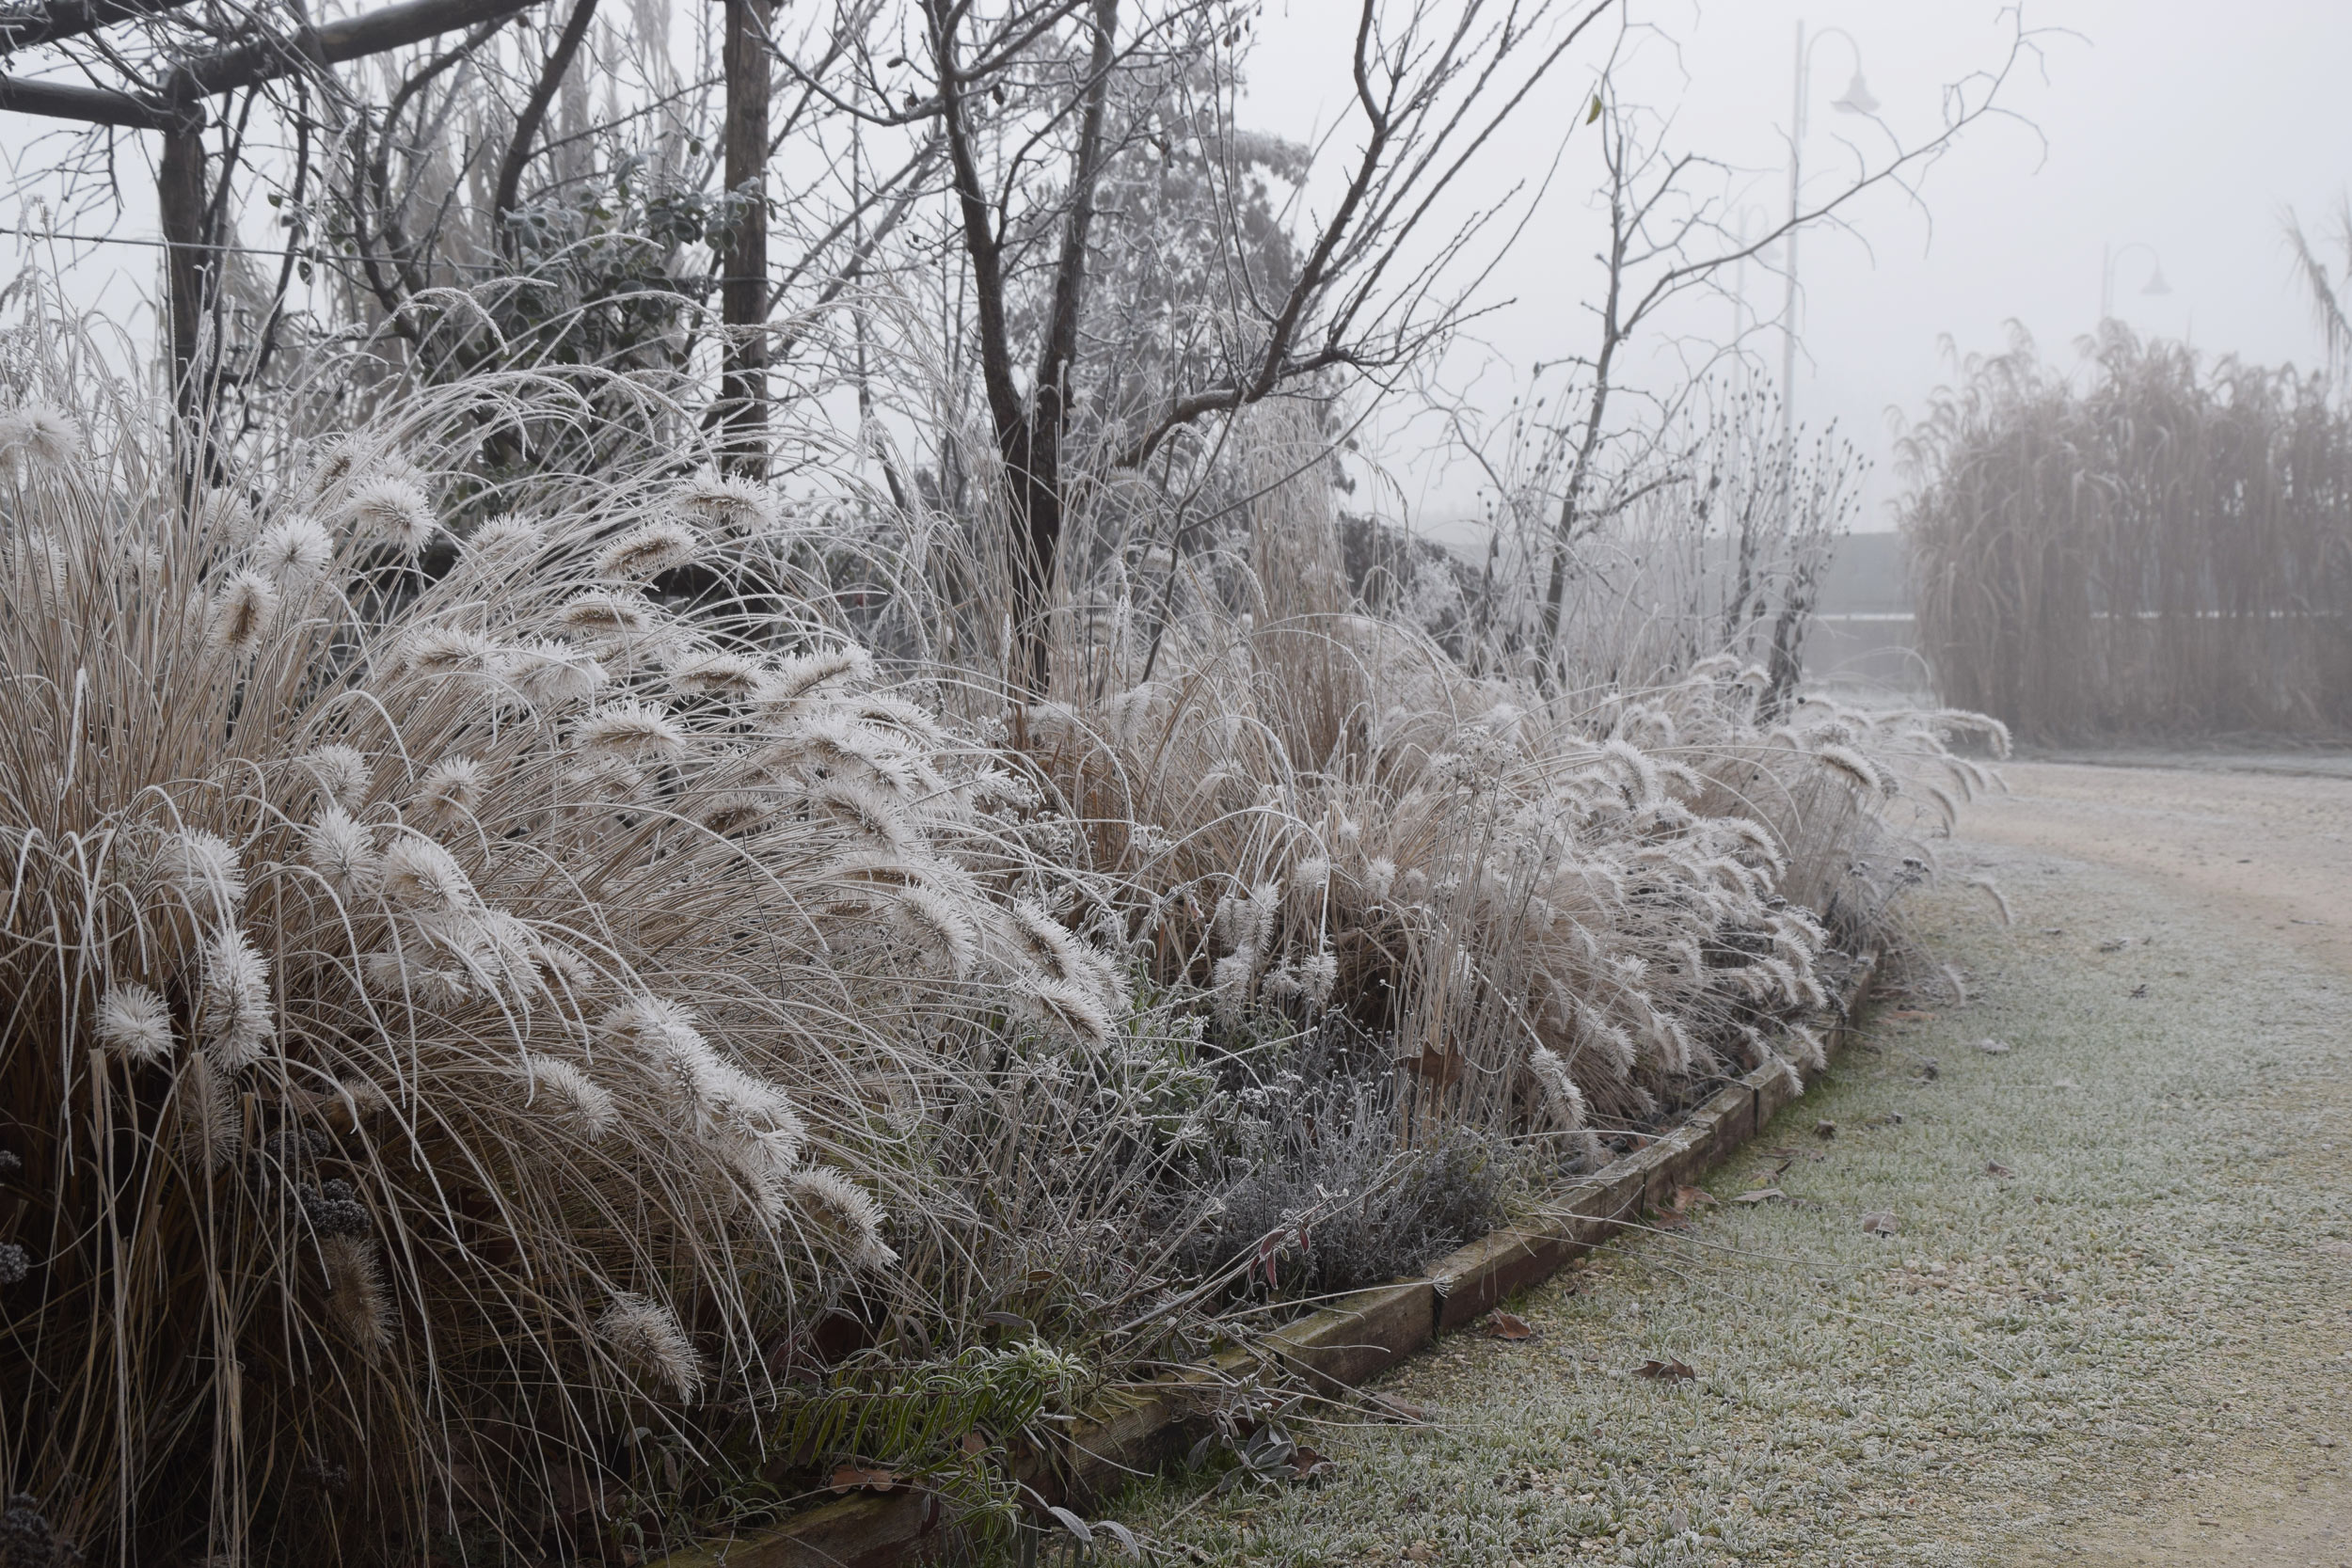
(190, 265)
(743, 285)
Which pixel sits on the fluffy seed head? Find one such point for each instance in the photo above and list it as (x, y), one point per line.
(716, 673)
(797, 678)
(452, 651)
(342, 852)
(294, 552)
(941, 924)
(559, 1087)
(602, 615)
(648, 1338)
(1561, 1095)
(451, 789)
(357, 1300)
(205, 871)
(736, 812)
(1072, 1005)
(421, 877)
(341, 772)
(648, 551)
(631, 730)
(554, 674)
(505, 543)
(210, 1115)
(39, 435)
(392, 511)
(235, 1013)
(133, 1021)
(734, 506)
(846, 1218)
(244, 610)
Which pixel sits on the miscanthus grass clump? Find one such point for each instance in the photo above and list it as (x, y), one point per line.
(464, 1029)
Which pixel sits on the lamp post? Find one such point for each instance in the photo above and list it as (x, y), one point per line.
(1857, 100)
(2111, 256)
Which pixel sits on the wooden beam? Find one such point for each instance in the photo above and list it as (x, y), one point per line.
(23, 29)
(743, 287)
(351, 39)
(94, 106)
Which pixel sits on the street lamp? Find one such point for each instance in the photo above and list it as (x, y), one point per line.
(1858, 100)
(2110, 258)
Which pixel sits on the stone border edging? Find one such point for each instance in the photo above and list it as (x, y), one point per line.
(1341, 1345)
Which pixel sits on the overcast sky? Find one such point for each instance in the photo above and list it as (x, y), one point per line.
(2177, 127)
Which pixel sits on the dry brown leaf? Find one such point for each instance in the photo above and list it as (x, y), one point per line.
(1502, 1325)
(1669, 1371)
(1995, 1168)
(1759, 1195)
(1880, 1224)
(851, 1478)
(1687, 1198)
(1422, 1551)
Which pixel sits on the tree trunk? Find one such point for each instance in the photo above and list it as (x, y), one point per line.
(743, 291)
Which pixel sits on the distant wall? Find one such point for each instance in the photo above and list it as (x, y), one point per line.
(1863, 634)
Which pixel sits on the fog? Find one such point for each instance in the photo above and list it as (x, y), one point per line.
(2154, 124)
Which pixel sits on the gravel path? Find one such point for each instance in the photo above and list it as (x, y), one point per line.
(2113, 1326)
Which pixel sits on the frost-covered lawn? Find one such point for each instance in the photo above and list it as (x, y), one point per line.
(2138, 1323)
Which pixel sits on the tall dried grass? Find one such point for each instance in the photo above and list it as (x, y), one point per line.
(1563, 912)
(521, 1039)
(2165, 548)
(460, 1032)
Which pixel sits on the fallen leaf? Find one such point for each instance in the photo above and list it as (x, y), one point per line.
(1502, 1325)
(1992, 1047)
(1665, 1372)
(1306, 1463)
(1007, 1320)
(1422, 1551)
(974, 1442)
(1761, 1195)
(850, 1478)
(1995, 1168)
(1889, 1118)
(1685, 1198)
(1880, 1224)
(1404, 1410)
(1668, 1219)
(1825, 1128)
(1911, 1015)
(1039, 1277)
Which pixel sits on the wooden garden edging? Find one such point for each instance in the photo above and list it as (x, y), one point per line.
(1142, 1430)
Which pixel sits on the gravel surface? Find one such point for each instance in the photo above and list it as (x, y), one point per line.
(2113, 1324)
